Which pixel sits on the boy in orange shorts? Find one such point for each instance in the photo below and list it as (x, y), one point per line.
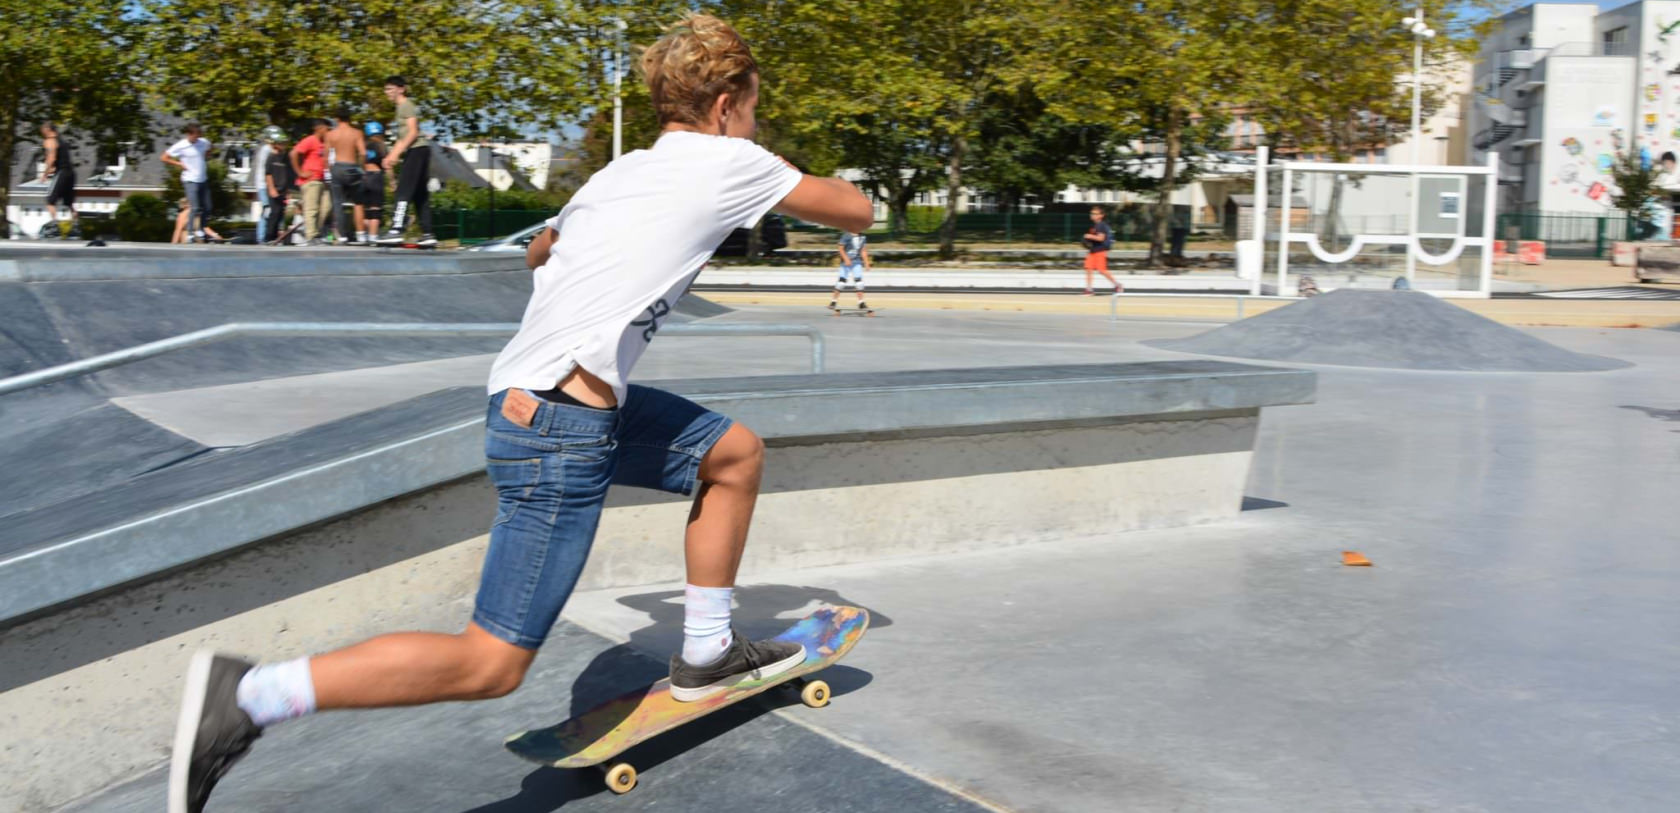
(1098, 240)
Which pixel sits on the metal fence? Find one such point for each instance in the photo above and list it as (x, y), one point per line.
(1574, 235)
(1006, 227)
(471, 226)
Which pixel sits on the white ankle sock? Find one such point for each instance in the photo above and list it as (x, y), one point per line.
(706, 624)
(276, 692)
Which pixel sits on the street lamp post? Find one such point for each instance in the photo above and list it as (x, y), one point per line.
(1420, 32)
(618, 86)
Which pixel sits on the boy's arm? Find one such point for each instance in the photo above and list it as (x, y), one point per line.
(51, 147)
(170, 160)
(833, 202)
(868, 264)
(536, 253)
(297, 169)
(841, 250)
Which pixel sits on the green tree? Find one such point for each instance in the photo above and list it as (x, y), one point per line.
(1025, 152)
(899, 87)
(1164, 65)
(72, 63)
(475, 66)
(1636, 180)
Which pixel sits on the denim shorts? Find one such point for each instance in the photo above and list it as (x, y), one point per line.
(853, 273)
(551, 480)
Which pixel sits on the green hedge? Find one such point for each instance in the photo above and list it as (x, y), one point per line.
(143, 219)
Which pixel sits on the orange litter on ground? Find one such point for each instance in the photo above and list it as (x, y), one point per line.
(1353, 558)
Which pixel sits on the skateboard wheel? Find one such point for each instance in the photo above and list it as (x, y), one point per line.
(815, 694)
(621, 777)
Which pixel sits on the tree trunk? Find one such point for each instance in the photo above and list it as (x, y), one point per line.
(953, 188)
(1169, 182)
(898, 209)
(8, 145)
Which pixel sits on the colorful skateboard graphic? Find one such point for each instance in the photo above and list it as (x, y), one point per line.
(604, 732)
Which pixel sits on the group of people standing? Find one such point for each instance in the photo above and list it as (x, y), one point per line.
(337, 173)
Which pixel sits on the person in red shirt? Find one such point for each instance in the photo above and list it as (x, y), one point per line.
(309, 161)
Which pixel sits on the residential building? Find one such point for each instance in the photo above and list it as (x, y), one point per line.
(1562, 89)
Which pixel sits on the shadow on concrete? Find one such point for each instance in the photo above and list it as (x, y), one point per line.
(1261, 504)
(1653, 412)
(764, 611)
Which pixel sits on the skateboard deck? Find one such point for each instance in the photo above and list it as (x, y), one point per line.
(607, 730)
(853, 311)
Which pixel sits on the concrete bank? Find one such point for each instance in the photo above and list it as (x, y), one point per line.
(856, 465)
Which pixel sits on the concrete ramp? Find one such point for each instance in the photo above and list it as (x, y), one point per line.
(1405, 330)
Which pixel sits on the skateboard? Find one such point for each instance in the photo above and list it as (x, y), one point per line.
(595, 737)
(854, 311)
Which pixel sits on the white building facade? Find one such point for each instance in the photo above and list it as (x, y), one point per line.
(1563, 88)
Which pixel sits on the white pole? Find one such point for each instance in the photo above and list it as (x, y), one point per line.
(618, 86)
(1260, 195)
(1287, 191)
(1489, 223)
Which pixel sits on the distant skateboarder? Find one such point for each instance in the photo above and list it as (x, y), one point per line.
(1098, 240)
(854, 260)
(413, 151)
(61, 174)
(564, 423)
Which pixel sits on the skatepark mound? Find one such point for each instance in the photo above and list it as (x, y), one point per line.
(1406, 330)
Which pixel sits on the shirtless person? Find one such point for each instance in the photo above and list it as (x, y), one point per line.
(346, 145)
(62, 174)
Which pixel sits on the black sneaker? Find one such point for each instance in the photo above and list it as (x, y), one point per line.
(427, 240)
(213, 732)
(391, 238)
(745, 661)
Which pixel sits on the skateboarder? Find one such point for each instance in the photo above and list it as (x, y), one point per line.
(62, 173)
(854, 260)
(564, 423)
(1098, 240)
(414, 152)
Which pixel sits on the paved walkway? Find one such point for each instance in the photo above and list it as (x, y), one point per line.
(1521, 312)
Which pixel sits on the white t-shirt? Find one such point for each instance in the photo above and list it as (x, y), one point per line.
(259, 169)
(191, 155)
(631, 240)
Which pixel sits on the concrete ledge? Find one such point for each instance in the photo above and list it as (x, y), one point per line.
(860, 467)
(164, 527)
(130, 261)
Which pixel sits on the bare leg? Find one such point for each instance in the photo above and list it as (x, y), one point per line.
(723, 508)
(411, 668)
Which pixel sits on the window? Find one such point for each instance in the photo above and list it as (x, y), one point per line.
(1616, 42)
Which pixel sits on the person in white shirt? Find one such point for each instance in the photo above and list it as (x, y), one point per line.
(189, 156)
(564, 422)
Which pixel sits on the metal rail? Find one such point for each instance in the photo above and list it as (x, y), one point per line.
(1114, 300)
(197, 338)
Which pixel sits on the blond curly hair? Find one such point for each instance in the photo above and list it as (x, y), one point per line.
(699, 59)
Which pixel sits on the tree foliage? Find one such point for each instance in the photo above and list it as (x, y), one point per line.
(73, 63)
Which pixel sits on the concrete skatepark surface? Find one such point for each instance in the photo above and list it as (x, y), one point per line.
(1508, 652)
(1395, 329)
